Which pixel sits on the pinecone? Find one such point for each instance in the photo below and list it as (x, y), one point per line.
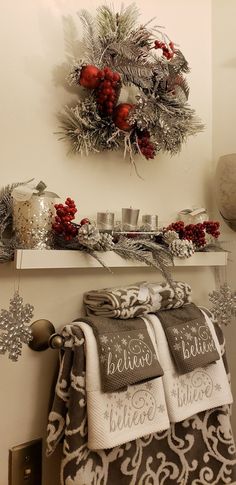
(105, 242)
(88, 235)
(182, 248)
(170, 236)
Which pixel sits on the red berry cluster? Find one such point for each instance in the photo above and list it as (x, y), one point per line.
(195, 232)
(212, 228)
(167, 50)
(107, 91)
(65, 214)
(145, 145)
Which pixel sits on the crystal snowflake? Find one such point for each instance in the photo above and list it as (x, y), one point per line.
(224, 304)
(13, 329)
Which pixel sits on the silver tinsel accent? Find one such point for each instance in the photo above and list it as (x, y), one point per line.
(170, 236)
(181, 248)
(224, 304)
(13, 329)
(88, 235)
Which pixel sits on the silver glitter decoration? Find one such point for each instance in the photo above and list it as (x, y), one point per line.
(181, 248)
(224, 304)
(13, 329)
(32, 221)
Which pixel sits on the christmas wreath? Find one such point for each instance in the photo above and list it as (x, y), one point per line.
(136, 93)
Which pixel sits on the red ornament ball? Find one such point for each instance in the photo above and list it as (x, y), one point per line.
(121, 114)
(89, 77)
(84, 221)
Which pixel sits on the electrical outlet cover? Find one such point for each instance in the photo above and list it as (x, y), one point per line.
(25, 463)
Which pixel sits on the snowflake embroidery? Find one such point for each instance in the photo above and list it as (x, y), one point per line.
(124, 341)
(104, 339)
(148, 385)
(173, 393)
(103, 358)
(141, 336)
(106, 415)
(161, 408)
(13, 329)
(175, 331)
(177, 347)
(218, 387)
(118, 348)
(128, 395)
(188, 336)
(119, 403)
(193, 329)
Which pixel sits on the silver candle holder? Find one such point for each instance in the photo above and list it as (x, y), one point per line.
(129, 219)
(105, 221)
(149, 222)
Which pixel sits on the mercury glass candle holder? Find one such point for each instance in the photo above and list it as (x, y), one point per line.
(129, 219)
(32, 221)
(105, 221)
(149, 222)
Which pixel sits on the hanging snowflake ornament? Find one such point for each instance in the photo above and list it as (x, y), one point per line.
(13, 327)
(224, 304)
(138, 64)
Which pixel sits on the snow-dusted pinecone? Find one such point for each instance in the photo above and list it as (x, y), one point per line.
(74, 74)
(181, 248)
(105, 242)
(170, 236)
(88, 235)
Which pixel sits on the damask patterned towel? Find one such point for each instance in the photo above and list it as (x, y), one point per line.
(197, 451)
(116, 418)
(188, 394)
(126, 352)
(135, 300)
(189, 337)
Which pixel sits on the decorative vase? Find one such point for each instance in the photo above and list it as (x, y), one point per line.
(32, 221)
(225, 184)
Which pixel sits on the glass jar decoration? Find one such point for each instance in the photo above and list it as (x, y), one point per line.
(193, 216)
(33, 213)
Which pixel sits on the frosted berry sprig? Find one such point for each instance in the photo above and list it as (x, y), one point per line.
(145, 146)
(168, 50)
(195, 232)
(212, 228)
(64, 215)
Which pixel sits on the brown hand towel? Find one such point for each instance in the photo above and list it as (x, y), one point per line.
(189, 337)
(126, 352)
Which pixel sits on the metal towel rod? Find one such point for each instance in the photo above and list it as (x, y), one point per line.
(45, 336)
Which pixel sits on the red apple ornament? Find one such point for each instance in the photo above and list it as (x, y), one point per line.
(121, 114)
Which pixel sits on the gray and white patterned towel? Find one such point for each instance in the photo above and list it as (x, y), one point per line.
(126, 352)
(197, 451)
(137, 299)
(189, 337)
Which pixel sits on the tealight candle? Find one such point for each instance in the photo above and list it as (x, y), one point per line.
(129, 219)
(105, 221)
(150, 222)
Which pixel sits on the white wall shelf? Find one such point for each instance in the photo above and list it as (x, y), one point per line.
(59, 259)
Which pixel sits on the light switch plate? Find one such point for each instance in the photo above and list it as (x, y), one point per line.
(25, 463)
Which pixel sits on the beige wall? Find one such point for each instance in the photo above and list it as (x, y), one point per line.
(32, 57)
(224, 123)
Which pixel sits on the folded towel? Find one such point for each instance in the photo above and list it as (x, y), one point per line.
(190, 340)
(119, 417)
(126, 352)
(135, 300)
(188, 394)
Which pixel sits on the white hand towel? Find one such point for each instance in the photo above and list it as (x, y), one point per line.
(119, 417)
(199, 390)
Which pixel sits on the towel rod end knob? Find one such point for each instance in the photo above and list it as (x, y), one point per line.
(41, 332)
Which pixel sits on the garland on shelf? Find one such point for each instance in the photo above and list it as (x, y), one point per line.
(156, 250)
(122, 58)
